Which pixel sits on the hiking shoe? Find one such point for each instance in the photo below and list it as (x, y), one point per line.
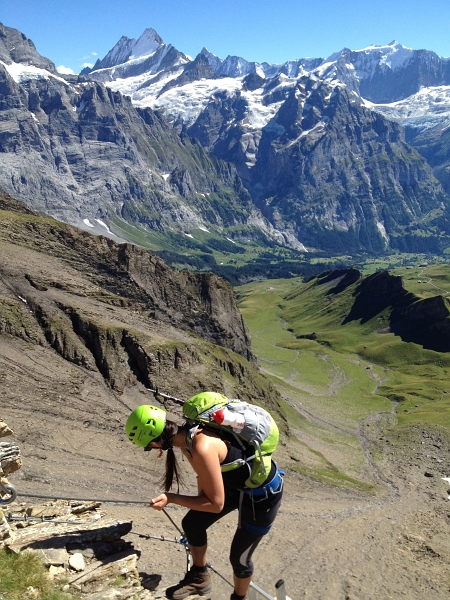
(234, 597)
(194, 582)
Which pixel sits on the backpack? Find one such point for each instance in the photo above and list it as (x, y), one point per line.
(260, 431)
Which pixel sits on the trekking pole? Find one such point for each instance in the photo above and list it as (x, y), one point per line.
(281, 591)
(157, 393)
(161, 538)
(183, 540)
(188, 558)
(172, 521)
(261, 591)
(251, 589)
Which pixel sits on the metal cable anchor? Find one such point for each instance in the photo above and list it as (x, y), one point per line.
(8, 490)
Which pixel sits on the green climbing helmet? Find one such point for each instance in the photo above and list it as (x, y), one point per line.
(145, 424)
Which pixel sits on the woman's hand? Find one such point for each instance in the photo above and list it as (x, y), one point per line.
(159, 502)
(208, 451)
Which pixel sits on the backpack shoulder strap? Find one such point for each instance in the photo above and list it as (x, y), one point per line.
(192, 428)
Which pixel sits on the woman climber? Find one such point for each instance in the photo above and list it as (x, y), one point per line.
(219, 493)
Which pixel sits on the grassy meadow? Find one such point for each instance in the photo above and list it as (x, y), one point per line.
(335, 376)
(25, 576)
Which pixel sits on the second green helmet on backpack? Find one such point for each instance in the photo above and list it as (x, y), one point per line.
(145, 424)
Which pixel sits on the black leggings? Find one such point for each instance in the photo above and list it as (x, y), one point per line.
(256, 520)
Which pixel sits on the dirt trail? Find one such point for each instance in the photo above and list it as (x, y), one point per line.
(327, 544)
(429, 280)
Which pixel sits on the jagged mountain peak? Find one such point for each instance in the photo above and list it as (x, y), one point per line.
(214, 61)
(15, 47)
(232, 66)
(274, 123)
(130, 49)
(376, 54)
(147, 43)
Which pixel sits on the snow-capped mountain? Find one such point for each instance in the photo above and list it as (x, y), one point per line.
(287, 153)
(141, 59)
(235, 66)
(131, 49)
(405, 85)
(394, 80)
(84, 154)
(379, 74)
(429, 108)
(253, 113)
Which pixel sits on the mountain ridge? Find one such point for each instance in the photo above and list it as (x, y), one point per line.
(231, 117)
(119, 315)
(301, 159)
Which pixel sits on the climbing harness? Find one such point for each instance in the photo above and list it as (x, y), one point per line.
(8, 493)
(275, 486)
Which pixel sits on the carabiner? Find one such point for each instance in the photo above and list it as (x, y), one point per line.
(8, 490)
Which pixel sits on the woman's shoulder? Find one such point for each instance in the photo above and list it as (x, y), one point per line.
(206, 440)
(206, 435)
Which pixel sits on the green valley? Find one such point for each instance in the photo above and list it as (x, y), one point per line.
(329, 347)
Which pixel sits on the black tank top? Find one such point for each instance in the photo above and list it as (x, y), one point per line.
(236, 478)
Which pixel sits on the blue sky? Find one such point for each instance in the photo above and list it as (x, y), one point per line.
(72, 34)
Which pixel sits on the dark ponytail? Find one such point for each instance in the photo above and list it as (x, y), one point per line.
(172, 470)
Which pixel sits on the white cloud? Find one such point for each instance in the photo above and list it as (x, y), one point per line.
(86, 64)
(65, 70)
(95, 54)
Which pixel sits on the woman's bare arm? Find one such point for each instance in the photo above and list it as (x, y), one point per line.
(206, 463)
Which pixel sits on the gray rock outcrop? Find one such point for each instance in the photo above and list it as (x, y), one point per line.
(85, 556)
(87, 156)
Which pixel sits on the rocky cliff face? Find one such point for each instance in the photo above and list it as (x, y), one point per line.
(321, 167)
(324, 167)
(424, 321)
(15, 47)
(434, 144)
(120, 311)
(323, 171)
(85, 155)
(84, 152)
